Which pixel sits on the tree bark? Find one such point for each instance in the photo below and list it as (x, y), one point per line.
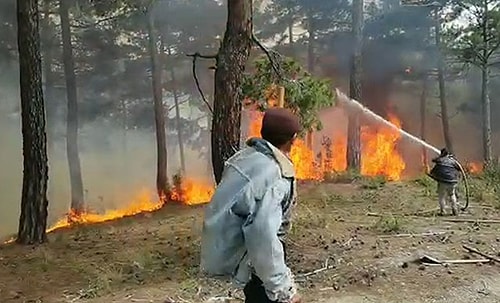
(486, 111)
(159, 110)
(423, 118)
(48, 36)
(33, 219)
(291, 42)
(178, 118)
(310, 42)
(353, 129)
(75, 173)
(485, 96)
(442, 89)
(231, 59)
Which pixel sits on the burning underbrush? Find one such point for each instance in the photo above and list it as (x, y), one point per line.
(379, 154)
(380, 157)
(379, 151)
(184, 190)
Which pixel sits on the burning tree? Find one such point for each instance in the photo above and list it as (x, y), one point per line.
(159, 109)
(33, 220)
(353, 132)
(75, 172)
(307, 95)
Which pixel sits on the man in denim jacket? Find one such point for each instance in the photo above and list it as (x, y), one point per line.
(249, 214)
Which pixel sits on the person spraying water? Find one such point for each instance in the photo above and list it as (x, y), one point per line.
(447, 169)
(446, 172)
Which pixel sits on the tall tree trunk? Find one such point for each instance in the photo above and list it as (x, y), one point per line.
(48, 36)
(486, 111)
(485, 82)
(310, 42)
(33, 219)
(159, 109)
(209, 147)
(231, 59)
(178, 118)
(442, 89)
(353, 129)
(485, 96)
(423, 118)
(75, 172)
(291, 42)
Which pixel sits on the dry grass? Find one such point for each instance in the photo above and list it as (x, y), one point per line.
(161, 250)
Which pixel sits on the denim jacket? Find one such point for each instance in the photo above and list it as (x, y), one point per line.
(248, 217)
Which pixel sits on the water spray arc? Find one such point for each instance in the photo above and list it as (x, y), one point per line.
(356, 106)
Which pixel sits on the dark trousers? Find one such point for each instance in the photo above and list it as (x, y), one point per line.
(255, 293)
(254, 290)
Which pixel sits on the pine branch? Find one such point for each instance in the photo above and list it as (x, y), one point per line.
(195, 56)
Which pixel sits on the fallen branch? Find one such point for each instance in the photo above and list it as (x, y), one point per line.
(457, 262)
(183, 300)
(348, 242)
(472, 221)
(426, 211)
(466, 261)
(223, 299)
(317, 271)
(389, 215)
(195, 56)
(477, 252)
(437, 233)
(428, 260)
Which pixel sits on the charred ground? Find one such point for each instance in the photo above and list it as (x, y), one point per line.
(354, 225)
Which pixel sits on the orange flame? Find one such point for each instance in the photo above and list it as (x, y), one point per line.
(474, 167)
(191, 192)
(141, 203)
(378, 152)
(379, 157)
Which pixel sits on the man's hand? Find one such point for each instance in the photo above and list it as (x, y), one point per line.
(296, 299)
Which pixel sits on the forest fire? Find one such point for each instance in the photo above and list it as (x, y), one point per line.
(191, 192)
(474, 167)
(379, 153)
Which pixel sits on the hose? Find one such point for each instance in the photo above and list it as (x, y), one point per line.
(466, 182)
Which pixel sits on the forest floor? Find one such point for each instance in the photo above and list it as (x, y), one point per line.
(361, 228)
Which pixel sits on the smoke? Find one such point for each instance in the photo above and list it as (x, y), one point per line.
(116, 165)
(406, 106)
(11, 156)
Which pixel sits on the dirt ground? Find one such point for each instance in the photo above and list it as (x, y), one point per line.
(368, 232)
